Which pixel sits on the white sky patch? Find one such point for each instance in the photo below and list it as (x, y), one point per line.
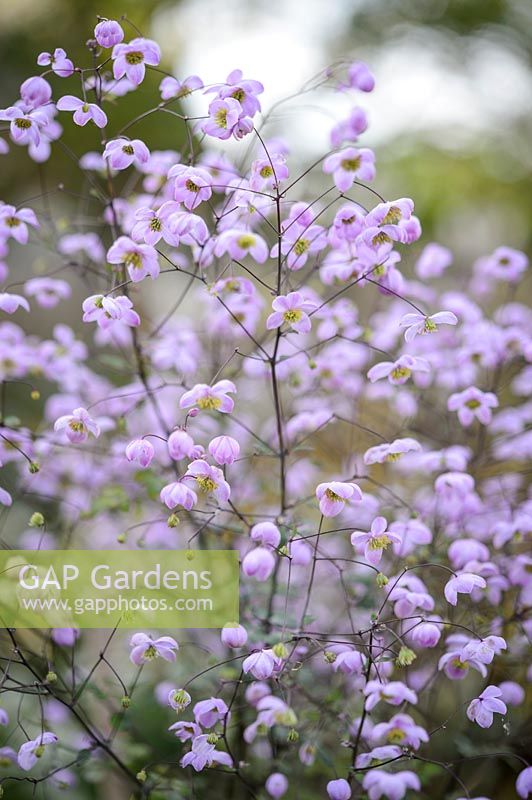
(284, 43)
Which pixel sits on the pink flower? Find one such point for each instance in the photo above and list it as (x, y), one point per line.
(376, 541)
(472, 403)
(258, 563)
(266, 533)
(83, 111)
(298, 243)
(204, 754)
(47, 291)
(25, 127)
(339, 789)
(11, 302)
(77, 426)
(463, 583)
(179, 699)
(146, 649)
(131, 59)
(208, 712)
(291, 309)
(139, 259)
(209, 480)
(107, 310)
(379, 783)
(349, 165)
(192, 185)
(433, 261)
(395, 693)
(30, 752)
(181, 445)
(482, 709)
(121, 153)
(210, 398)
(276, 785)
(14, 223)
(398, 372)
(152, 225)
(108, 32)
(392, 218)
(241, 243)
(333, 497)
(523, 784)
(140, 450)
(418, 324)
(171, 87)
(224, 449)
(177, 494)
(61, 65)
(234, 635)
(359, 76)
(261, 664)
(391, 451)
(224, 118)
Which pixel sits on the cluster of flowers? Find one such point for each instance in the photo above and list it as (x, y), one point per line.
(300, 375)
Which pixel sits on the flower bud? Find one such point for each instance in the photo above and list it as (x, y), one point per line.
(172, 521)
(224, 449)
(381, 580)
(51, 677)
(142, 775)
(406, 657)
(234, 635)
(276, 785)
(125, 701)
(36, 520)
(339, 789)
(280, 650)
(292, 735)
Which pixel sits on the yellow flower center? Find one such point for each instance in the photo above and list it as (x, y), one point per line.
(393, 216)
(135, 57)
(293, 315)
(239, 94)
(393, 456)
(396, 736)
(128, 150)
(266, 172)
(191, 186)
(472, 404)
(400, 372)
(430, 326)
(221, 118)
(301, 246)
(381, 238)
(12, 222)
(76, 425)
(209, 403)
(350, 164)
(155, 224)
(379, 542)
(246, 240)
(333, 496)
(133, 259)
(205, 484)
(23, 123)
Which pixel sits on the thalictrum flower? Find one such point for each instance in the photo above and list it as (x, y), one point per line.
(463, 583)
(488, 703)
(472, 403)
(61, 64)
(131, 59)
(83, 112)
(210, 398)
(145, 648)
(140, 260)
(349, 165)
(108, 32)
(418, 324)
(77, 426)
(140, 450)
(376, 541)
(291, 309)
(14, 222)
(30, 752)
(334, 496)
(11, 302)
(121, 153)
